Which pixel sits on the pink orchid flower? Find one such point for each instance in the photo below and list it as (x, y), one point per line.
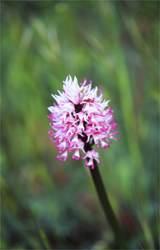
(80, 120)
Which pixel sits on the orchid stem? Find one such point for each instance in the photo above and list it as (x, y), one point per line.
(105, 203)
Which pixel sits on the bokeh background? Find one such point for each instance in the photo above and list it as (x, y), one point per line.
(49, 205)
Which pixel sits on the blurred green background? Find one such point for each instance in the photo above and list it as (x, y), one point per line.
(49, 205)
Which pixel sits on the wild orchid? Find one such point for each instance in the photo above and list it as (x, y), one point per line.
(81, 121)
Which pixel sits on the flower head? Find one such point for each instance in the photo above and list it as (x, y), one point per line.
(80, 119)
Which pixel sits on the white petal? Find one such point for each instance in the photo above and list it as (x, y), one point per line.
(51, 109)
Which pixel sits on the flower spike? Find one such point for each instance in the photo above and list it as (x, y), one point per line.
(80, 120)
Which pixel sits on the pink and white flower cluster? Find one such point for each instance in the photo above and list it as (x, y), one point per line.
(80, 120)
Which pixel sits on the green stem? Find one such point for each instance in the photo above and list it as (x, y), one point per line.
(105, 203)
